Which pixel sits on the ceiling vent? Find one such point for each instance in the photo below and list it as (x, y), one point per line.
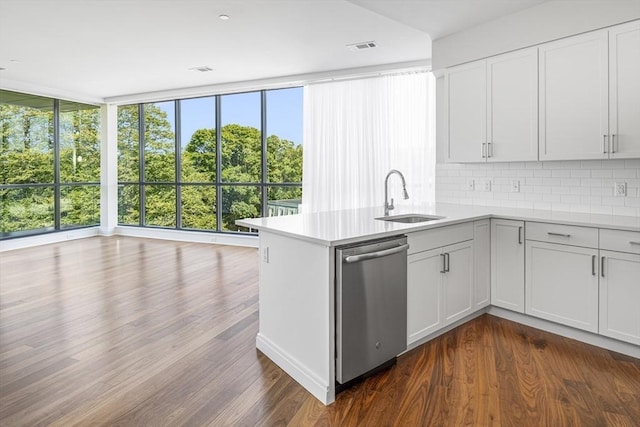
(361, 46)
(203, 69)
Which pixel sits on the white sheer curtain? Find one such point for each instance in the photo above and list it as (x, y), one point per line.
(356, 131)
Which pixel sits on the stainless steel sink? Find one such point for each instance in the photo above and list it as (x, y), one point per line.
(410, 218)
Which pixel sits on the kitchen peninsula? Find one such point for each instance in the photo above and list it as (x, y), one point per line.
(297, 277)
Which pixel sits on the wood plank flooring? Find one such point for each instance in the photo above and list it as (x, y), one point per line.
(134, 332)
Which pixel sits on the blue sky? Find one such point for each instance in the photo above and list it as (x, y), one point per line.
(284, 113)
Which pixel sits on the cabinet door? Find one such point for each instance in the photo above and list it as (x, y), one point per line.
(512, 106)
(507, 264)
(620, 296)
(457, 282)
(423, 294)
(562, 284)
(466, 104)
(574, 98)
(624, 90)
(482, 263)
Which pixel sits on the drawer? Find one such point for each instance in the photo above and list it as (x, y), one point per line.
(619, 240)
(559, 233)
(438, 237)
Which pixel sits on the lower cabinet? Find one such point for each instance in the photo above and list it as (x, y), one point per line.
(562, 284)
(482, 262)
(620, 296)
(507, 264)
(440, 288)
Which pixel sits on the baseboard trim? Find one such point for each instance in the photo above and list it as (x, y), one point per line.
(568, 332)
(48, 238)
(306, 378)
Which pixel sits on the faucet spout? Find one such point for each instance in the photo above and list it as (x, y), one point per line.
(388, 205)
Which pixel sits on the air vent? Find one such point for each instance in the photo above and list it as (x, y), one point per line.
(360, 46)
(202, 69)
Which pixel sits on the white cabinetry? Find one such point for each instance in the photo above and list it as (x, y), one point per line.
(466, 108)
(492, 109)
(482, 262)
(440, 279)
(624, 90)
(507, 264)
(590, 95)
(512, 106)
(423, 294)
(620, 285)
(561, 282)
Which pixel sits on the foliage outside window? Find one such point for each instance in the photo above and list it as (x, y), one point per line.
(176, 171)
(49, 164)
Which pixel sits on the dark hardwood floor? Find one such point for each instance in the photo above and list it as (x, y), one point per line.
(133, 332)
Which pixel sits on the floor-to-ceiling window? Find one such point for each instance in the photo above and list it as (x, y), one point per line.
(49, 164)
(176, 170)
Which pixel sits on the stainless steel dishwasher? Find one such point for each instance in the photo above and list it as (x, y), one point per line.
(371, 305)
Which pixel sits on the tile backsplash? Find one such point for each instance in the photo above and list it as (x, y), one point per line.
(573, 186)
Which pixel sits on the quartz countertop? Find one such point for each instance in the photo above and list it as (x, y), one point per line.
(348, 226)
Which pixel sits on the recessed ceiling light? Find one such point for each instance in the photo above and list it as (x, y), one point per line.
(13, 60)
(361, 45)
(2, 69)
(202, 69)
(224, 17)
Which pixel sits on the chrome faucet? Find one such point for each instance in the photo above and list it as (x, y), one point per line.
(388, 206)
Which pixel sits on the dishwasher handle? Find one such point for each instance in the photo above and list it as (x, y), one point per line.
(373, 255)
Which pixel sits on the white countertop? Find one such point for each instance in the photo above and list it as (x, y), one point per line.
(350, 226)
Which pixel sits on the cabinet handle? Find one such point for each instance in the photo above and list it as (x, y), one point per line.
(593, 265)
(447, 259)
(602, 266)
(634, 243)
(613, 143)
(483, 150)
(604, 144)
(558, 234)
(444, 263)
(519, 235)
(489, 149)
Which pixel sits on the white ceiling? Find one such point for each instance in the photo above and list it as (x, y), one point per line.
(100, 49)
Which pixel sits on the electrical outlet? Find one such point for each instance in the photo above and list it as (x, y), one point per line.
(620, 189)
(265, 255)
(471, 185)
(486, 185)
(515, 186)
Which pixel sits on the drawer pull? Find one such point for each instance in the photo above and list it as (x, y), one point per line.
(558, 234)
(634, 243)
(604, 144)
(593, 265)
(602, 266)
(444, 263)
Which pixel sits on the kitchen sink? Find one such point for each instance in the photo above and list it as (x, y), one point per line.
(410, 218)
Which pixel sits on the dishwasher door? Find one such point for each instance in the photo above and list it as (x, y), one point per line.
(371, 305)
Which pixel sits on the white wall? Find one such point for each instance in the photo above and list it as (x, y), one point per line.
(572, 186)
(542, 23)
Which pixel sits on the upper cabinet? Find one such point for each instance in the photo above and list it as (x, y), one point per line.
(624, 91)
(590, 95)
(492, 109)
(571, 99)
(466, 104)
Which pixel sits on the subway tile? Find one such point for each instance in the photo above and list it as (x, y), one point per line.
(560, 173)
(580, 173)
(591, 164)
(602, 173)
(542, 173)
(542, 205)
(632, 163)
(613, 164)
(625, 173)
(568, 182)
